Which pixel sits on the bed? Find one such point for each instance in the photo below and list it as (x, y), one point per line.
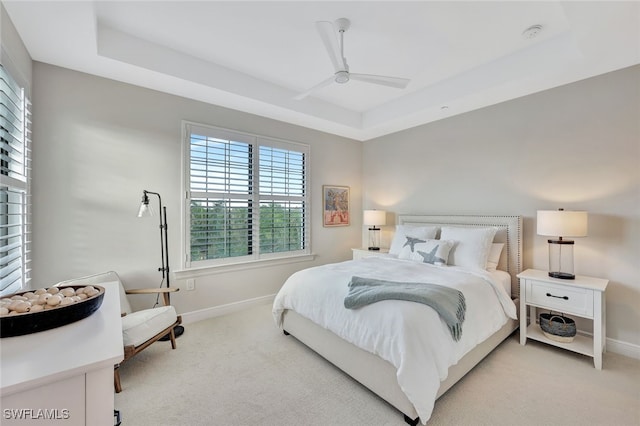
(380, 345)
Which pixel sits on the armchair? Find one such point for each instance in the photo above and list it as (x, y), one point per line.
(140, 328)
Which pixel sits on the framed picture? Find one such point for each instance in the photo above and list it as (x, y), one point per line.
(335, 202)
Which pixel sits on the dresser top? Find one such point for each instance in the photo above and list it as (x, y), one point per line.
(41, 358)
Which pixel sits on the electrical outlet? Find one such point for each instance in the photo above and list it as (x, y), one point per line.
(191, 284)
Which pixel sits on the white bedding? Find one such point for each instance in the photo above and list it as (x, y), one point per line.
(503, 278)
(409, 335)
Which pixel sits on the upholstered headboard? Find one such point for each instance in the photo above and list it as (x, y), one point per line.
(509, 233)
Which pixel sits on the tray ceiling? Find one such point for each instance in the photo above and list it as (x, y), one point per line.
(257, 56)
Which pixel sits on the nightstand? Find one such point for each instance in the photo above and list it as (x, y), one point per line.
(361, 253)
(583, 297)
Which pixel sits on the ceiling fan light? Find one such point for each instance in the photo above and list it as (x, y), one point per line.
(342, 77)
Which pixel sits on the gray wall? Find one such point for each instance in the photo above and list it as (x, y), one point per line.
(575, 146)
(98, 143)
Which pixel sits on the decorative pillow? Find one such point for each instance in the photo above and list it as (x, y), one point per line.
(472, 245)
(494, 256)
(435, 252)
(408, 235)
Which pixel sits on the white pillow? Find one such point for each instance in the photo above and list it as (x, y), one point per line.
(494, 256)
(435, 252)
(472, 245)
(406, 235)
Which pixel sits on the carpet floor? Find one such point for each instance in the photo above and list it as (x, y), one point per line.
(239, 369)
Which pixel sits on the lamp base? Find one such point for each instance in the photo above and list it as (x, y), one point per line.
(178, 331)
(562, 275)
(561, 259)
(374, 248)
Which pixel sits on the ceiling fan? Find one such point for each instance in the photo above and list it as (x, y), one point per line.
(335, 48)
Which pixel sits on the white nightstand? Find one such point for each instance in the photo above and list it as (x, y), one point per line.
(361, 253)
(583, 297)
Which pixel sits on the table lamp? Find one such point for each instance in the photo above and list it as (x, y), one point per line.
(373, 219)
(561, 223)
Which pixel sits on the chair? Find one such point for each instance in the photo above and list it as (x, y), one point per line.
(140, 328)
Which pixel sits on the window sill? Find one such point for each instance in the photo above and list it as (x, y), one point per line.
(184, 274)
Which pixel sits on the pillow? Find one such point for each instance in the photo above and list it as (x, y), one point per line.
(435, 252)
(472, 245)
(494, 256)
(407, 235)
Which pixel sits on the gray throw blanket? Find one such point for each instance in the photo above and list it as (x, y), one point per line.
(448, 302)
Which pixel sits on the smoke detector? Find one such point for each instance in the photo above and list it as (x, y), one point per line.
(532, 31)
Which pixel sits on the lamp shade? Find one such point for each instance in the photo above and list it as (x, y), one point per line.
(562, 223)
(145, 210)
(375, 217)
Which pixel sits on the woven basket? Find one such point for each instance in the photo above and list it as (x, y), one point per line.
(558, 327)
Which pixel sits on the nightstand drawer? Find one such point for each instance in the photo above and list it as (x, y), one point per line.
(571, 300)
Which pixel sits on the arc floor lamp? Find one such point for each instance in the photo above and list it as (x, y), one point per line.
(147, 211)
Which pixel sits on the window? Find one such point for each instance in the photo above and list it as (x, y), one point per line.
(15, 171)
(247, 197)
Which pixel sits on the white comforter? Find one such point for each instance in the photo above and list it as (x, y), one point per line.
(411, 336)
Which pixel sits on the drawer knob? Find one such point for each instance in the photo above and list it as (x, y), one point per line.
(559, 297)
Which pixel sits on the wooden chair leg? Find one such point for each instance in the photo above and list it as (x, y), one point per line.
(116, 379)
(172, 336)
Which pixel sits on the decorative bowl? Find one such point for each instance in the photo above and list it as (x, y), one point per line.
(33, 322)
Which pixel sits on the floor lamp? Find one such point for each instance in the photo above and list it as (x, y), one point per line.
(147, 211)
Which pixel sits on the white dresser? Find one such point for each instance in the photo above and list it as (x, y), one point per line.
(64, 376)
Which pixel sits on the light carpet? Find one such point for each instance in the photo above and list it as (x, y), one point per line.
(239, 369)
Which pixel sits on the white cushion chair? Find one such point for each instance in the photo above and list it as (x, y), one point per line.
(140, 328)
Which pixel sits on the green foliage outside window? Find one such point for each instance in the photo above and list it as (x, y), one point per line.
(221, 230)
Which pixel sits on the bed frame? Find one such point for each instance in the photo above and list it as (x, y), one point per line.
(379, 375)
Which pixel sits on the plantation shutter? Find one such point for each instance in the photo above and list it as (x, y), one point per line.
(221, 189)
(15, 171)
(283, 207)
(247, 196)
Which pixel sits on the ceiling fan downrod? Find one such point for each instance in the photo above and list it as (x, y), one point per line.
(342, 76)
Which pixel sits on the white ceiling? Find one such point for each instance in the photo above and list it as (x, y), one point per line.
(256, 56)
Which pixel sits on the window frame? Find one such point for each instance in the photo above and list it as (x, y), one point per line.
(15, 203)
(194, 268)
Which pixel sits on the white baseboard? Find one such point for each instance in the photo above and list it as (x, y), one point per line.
(216, 311)
(618, 347)
(623, 348)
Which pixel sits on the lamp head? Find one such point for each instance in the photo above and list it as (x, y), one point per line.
(145, 209)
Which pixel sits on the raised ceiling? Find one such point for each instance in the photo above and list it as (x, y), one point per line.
(257, 56)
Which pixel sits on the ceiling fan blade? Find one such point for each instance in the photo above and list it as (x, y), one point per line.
(397, 82)
(330, 39)
(314, 88)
